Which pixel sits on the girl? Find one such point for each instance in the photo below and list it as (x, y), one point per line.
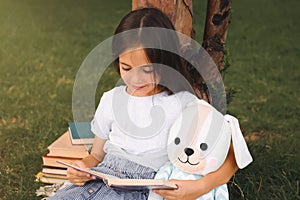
(132, 122)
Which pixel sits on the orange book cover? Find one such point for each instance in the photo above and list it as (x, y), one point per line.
(63, 147)
(51, 160)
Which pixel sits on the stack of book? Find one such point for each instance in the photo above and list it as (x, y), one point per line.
(74, 144)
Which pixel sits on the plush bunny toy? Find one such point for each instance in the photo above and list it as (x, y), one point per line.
(198, 144)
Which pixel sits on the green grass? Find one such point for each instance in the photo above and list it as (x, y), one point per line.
(42, 46)
(264, 49)
(44, 42)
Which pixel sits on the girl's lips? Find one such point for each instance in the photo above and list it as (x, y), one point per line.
(138, 87)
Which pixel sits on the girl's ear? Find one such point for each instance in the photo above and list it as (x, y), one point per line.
(241, 152)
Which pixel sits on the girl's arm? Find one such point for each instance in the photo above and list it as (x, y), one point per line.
(192, 189)
(96, 156)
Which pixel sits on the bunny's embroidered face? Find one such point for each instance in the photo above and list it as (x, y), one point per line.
(199, 139)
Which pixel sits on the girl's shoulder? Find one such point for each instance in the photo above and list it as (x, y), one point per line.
(186, 96)
(181, 98)
(116, 90)
(108, 96)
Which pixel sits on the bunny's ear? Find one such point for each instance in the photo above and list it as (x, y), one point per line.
(241, 152)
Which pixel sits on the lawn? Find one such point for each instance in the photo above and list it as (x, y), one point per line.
(43, 44)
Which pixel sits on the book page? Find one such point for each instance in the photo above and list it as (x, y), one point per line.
(126, 184)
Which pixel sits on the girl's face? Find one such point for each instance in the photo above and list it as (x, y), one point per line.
(138, 74)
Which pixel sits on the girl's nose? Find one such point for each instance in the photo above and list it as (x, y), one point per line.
(137, 75)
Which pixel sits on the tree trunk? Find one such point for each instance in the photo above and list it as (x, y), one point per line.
(179, 11)
(215, 32)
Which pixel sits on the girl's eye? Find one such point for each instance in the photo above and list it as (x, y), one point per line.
(126, 68)
(148, 69)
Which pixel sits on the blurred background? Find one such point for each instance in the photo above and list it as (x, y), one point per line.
(43, 43)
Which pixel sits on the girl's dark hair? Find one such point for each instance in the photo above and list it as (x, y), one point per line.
(134, 37)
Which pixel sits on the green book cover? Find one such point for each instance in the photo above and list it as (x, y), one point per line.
(80, 133)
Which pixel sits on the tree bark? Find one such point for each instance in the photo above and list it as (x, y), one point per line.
(215, 32)
(180, 12)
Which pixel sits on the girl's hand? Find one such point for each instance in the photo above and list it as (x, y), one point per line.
(97, 154)
(77, 177)
(187, 190)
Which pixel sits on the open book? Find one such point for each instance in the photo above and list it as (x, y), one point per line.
(126, 184)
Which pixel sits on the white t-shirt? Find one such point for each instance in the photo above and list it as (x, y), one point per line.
(137, 128)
